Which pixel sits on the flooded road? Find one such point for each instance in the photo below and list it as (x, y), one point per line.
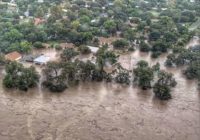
(102, 111)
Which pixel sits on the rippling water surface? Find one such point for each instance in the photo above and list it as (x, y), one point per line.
(101, 111)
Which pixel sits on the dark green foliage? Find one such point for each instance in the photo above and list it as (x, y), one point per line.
(166, 79)
(123, 78)
(8, 81)
(155, 54)
(58, 47)
(110, 26)
(28, 79)
(178, 49)
(84, 49)
(143, 75)
(97, 75)
(68, 54)
(19, 37)
(162, 87)
(120, 44)
(171, 59)
(19, 77)
(54, 77)
(160, 46)
(193, 70)
(155, 35)
(142, 63)
(129, 34)
(96, 41)
(144, 47)
(58, 87)
(187, 57)
(2, 60)
(85, 70)
(60, 75)
(187, 16)
(108, 77)
(156, 67)
(170, 37)
(128, 19)
(103, 56)
(38, 45)
(162, 92)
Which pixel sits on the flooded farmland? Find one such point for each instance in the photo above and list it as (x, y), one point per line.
(102, 111)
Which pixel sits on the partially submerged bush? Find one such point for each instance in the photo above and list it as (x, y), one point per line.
(162, 87)
(120, 44)
(162, 92)
(17, 76)
(58, 87)
(38, 45)
(144, 47)
(123, 78)
(84, 49)
(58, 47)
(2, 60)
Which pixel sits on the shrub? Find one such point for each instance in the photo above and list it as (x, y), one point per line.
(84, 49)
(17, 76)
(162, 92)
(155, 54)
(58, 47)
(123, 78)
(144, 47)
(120, 44)
(38, 45)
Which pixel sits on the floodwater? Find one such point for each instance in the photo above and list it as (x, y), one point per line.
(102, 111)
(50, 52)
(194, 41)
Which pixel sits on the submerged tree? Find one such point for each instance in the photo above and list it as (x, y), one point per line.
(162, 87)
(28, 78)
(85, 70)
(171, 59)
(68, 54)
(60, 75)
(19, 77)
(123, 78)
(120, 44)
(162, 91)
(193, 70)
(143, 75)
(2, 60)
(84, 49)
(144, 47)
(54, 78)
(98, 75)
(160, 46)
(103, 56)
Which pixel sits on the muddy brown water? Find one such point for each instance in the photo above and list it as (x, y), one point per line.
(101, 111)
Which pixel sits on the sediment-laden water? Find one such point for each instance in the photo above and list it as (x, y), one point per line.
(102, 111)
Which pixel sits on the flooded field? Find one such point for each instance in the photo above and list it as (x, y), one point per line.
(101, 111)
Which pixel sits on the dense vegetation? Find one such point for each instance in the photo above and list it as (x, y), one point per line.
(151, 26)
(17, 76)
